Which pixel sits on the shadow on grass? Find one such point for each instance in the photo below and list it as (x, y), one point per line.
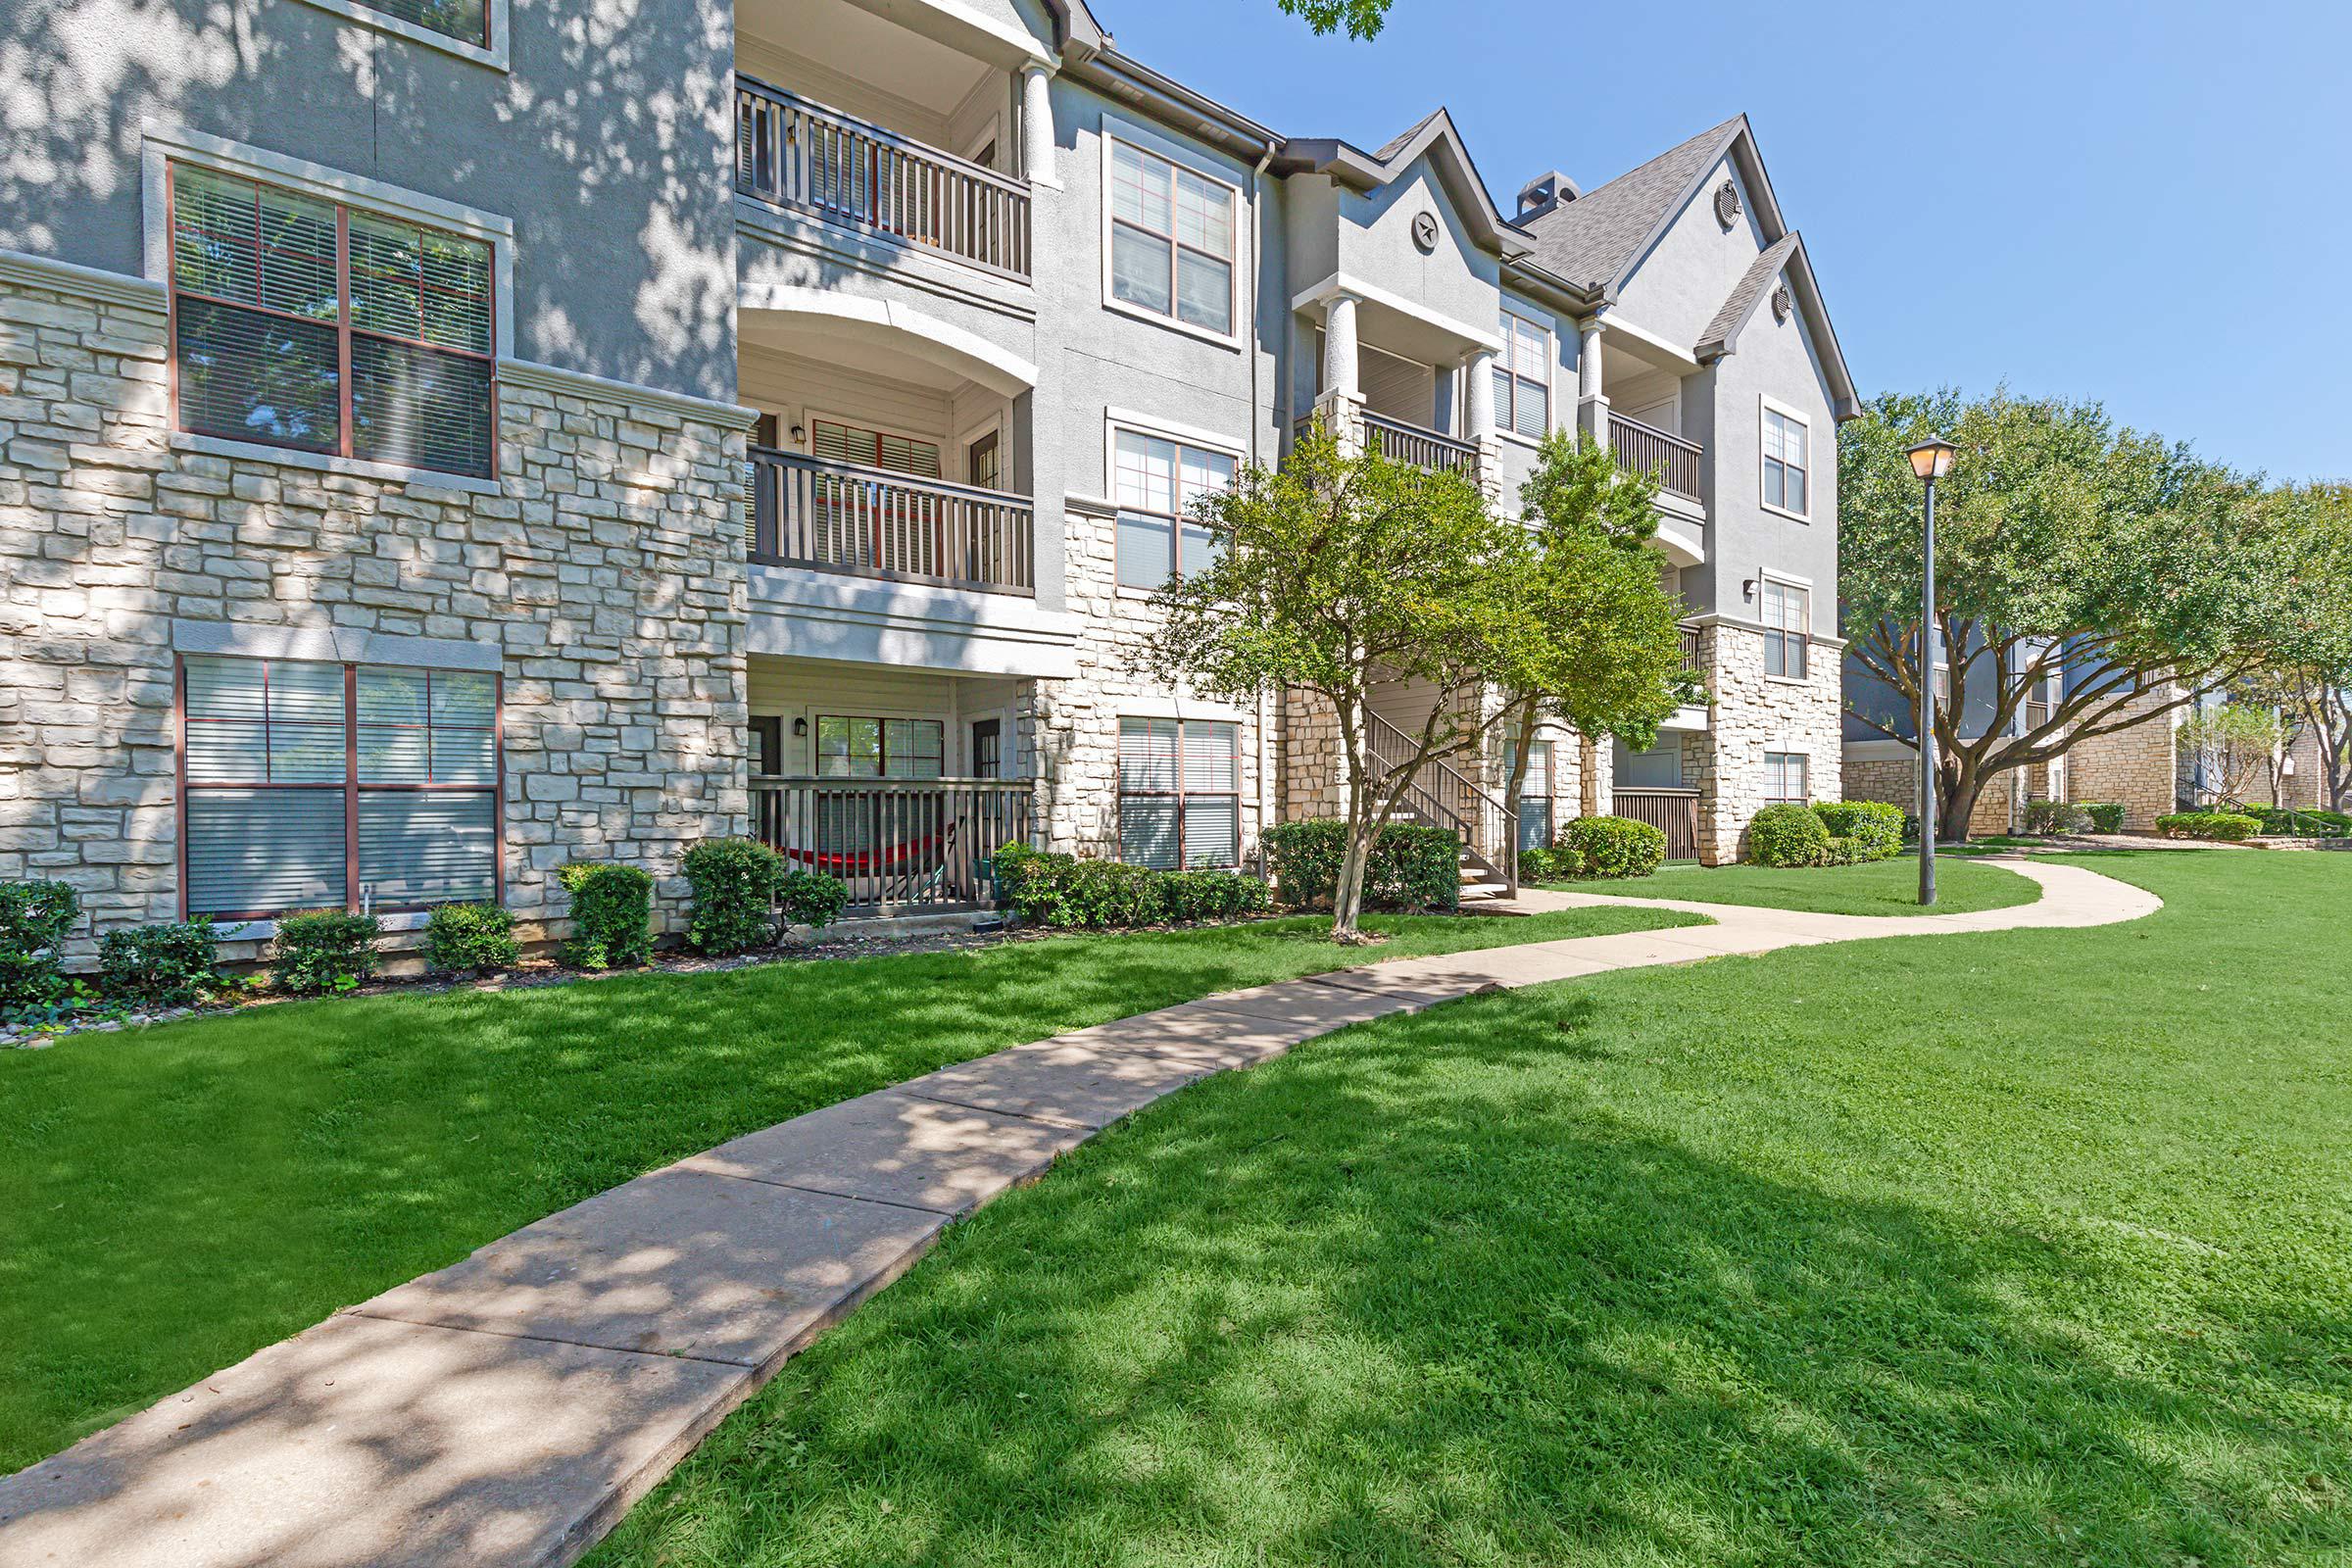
(1418, 1294)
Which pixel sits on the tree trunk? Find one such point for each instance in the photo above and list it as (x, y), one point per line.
(1347, 899)
(1956, 795)
(1524, 744)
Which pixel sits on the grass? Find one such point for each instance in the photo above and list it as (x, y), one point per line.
(2026, 1247)
(178, 1198)
(1882, 887)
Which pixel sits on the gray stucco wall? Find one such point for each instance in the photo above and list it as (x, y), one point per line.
(607, 142)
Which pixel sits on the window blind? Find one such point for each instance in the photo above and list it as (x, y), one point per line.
(467, 21)
(1171, 239)
(872, 449)
(1179, 793)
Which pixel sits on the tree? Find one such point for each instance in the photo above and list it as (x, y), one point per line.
(2062, 545)
(2312, 676)
(2232, 745)
(1361, 17)
(1348, 576)
(1609, 652)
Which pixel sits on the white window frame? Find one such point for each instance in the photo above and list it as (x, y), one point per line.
(1117, 420)
(1152, 145)
(1768, 406)
(1804, 762)
(1505, 421)
(497, 56)
(1766, 581)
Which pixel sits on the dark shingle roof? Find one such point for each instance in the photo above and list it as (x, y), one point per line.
(1591, 241)
(1399, 142)
(1744, 296)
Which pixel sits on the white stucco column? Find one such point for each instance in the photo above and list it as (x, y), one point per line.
(1343, 386)
(1479, 367)
(1591, 403)
(1037, 127)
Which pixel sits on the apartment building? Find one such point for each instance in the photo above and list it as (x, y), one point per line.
(441, 439)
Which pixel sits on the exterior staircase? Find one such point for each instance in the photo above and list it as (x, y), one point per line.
(1441, 796)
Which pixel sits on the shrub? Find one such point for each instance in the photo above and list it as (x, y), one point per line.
(1787, 835)
(322, 951)
(34, 920)
(1066, 893)
(1412, 867)
(1557, 863)
(1614, 846)
(2314, 823)
(2227, 827)
(1872, 830)
(611, 915)
(811, 897)
(158, 965)
(470, 937)
(2106, 817)
(734, 882)
(2055, 818)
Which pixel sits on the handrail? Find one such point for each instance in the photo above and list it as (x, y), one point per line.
(799, 154)
(1420, 446)
(1693, 650)
(1646, 449)
(877, 522)
(1443, 793)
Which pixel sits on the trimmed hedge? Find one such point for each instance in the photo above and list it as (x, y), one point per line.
(1412, 867)
(1558, 863)
(2314, 823)
(2055, 818)
(2106, 817)
(811, 897)
(734, 883)
(1065, 893)
(160, 965)
(35, 919)
(2226, 828)
(1613, 847)
(1787, 834)
(324, 949)
(1862, 831)
(470, 937)
(611, 915)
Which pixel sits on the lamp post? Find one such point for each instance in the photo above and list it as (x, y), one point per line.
(1930, 460)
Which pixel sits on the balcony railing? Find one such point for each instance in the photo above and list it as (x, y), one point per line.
(1672, 812)
(1694, 659)
(900, 843)
(810, 159)
(874, 522)
(1400, 442)
(1640, 449)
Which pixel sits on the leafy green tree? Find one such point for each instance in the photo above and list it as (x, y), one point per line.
(1361, 17)
(2312, 677)
(1603, 653)
(2062, 543)
(2233, 743)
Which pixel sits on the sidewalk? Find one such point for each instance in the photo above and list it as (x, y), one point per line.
(510, 1408)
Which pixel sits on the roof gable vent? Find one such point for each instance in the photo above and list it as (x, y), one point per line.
(1545, 192)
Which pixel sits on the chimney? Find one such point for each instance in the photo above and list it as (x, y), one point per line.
(1544, 193)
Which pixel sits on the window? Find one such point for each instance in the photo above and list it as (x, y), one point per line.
(983, 461)
(321, 785)
(1787, 630)
(1535, 796)
(767, 746)
(1523, 378)
(1157, 483)
(304, 324)
(1785, 779)
(1785, 460)
(1180, 792)
(880, 747)
(988, 748)
(831, 441)
(1658, 768)
(467, 21)
(1171, 240)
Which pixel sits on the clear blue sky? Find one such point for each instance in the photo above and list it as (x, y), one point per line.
(2145, 203)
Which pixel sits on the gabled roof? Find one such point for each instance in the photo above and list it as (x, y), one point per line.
(1724, 331)
(1784, 256)
(1593, 241)
(1435, 138)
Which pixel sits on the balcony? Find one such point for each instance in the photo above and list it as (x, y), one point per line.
(1693, 657)
(924, 846)
(1643, 449)
(875, 522)
(1412, 443)
(800, 156)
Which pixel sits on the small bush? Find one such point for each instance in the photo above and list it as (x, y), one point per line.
(734, 882)
(811, 897)
(1787, 835)
(35, 919)
(2224, 827)
(1412, 867)
(2106, 817)
(2313, 823)
(324, 950)
(471, 939)
(158, 965)
(611, 915)
(2055, 818)
(1557, 863)
(1614, 847)
(1872, 830)
(1066, 893)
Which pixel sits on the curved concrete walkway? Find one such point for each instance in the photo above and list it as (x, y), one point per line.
(508, 1409)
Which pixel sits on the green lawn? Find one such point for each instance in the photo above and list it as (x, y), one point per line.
(2027, 1248)
(171, 1199)
(1882, 887)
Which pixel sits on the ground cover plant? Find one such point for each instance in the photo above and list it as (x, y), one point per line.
(179, 1197)
(1845, 1254)
(1882, 887)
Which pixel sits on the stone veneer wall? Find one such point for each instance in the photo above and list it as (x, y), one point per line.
(2137, 767)
(1896, 782)
(1073, 725)
(608, 570)
(1751, 715)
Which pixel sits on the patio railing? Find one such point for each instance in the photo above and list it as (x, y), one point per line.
(877, 522)
(900, 845)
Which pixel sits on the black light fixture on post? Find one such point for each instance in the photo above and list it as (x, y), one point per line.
(1930, 460)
